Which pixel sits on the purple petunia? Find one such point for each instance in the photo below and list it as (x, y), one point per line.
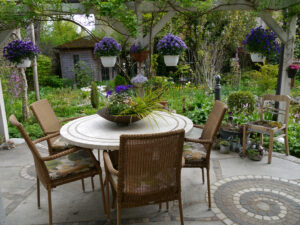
(135, 48)
(18, 50)
(171, 45)
(122, 88)
(108, 93)
(261, 40)
(107, 47)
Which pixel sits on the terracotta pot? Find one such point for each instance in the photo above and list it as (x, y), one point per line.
(140, 56)
(108, 61)
(24, 63)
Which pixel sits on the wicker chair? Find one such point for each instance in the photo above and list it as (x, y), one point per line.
(261, 128)
(149, 170)
(50, 124)
(199, 155)
(67, 166)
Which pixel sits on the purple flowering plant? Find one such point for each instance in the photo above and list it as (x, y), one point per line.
(139, 79)
(107, 47)
(15, 85)
(136, 48)
(171, 45)
(262, 41)
(18, 50)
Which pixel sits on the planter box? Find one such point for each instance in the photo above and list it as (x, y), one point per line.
(108, 61)
(256, 57)
(24, 63)
(171, 60)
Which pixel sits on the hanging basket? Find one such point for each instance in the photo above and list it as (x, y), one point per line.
(292, 73)
(108, 61)
(171, 60)
(256, 57)
(24, 63)
(140, 56)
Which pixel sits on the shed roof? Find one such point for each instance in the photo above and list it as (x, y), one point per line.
(81, 43)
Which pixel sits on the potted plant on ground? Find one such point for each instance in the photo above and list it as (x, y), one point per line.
(171, 46)
(138, 53)
(108, 49)
(224, 146)
(261, 42)
(138, 82)
(255, 152)
(20, 52)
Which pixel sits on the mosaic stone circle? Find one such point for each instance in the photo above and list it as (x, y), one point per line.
(249, 200)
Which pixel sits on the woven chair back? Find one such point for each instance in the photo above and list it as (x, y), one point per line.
(40, 166)
(270, 108)
(150, 168)
(213, 124)
(46, 117)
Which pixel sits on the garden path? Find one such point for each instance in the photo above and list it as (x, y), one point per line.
(244, 192)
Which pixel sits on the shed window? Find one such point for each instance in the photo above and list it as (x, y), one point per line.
(75, 59)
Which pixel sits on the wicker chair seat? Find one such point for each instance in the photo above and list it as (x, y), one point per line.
(59, 144)
(74, 163)
(194, 153)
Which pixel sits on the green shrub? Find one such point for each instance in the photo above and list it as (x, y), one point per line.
(83, 74)
(266, 77)
(241, 101)
(119, 80)
(44, 66)
(94, 95)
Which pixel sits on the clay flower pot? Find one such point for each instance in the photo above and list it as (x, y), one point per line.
(140, 56)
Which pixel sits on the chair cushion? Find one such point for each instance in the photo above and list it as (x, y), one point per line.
(193, 153)
(73, 163)
(59, 144)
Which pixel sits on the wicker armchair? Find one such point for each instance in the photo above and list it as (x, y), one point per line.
(198, 154)
(50, 124)
(262, 128)
(149, 170)
(67, 166)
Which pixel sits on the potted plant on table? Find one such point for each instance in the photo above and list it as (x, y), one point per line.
(171, 46)
(123, 106)
(108, 49)
(260, 43)
(20, 52)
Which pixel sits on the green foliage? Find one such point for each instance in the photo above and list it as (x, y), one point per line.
(57, 82)
(183, 71)
(120, 80)
(83, 74)
(241, 101)
(94, 95)
(266, 77)
(297, 47)
(224, 143)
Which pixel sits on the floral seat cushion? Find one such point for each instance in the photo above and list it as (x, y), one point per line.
(59, 144)
(193, 153)
(73, 163)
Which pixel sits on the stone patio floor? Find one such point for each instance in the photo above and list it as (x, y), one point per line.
(243, 192)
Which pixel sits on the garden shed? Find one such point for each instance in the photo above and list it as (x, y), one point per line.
(70, 53)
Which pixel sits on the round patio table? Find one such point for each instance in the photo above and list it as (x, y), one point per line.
(97, 133)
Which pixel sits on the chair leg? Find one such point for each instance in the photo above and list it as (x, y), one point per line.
(167, 205)
(286, 142)
(102, 191)
(114, 198)
(159, 206)
(38, 192)
(180, 210)
(118, 214)
(244, 140)
(50, 206)
(270, 148)
(208, 188)
(92, 181)
(203, 178)
(82, 183)
(107, 195)
(261, 139)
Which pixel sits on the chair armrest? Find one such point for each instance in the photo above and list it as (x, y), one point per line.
(47, 137)
(60, 154)
(69, 119)
(198, 126)
(109, 164)
(200, 141)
